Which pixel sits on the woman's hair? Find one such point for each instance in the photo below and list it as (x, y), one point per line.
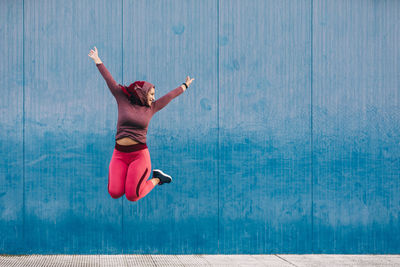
(134, 99)
(137, 92)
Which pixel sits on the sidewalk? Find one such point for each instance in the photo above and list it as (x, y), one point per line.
(200, 260)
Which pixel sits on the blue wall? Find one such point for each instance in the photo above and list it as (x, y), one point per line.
(288, 140)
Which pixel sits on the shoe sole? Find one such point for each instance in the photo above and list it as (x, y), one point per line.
(160, 171)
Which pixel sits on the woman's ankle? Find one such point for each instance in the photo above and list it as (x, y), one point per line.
(155, 181)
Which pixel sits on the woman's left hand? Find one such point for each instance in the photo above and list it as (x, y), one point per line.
(189, 81)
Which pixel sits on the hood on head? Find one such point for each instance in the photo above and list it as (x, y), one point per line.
(138, 91)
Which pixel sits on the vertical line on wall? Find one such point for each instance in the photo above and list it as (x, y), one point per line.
(23, 121)
(122, 71)
(311, 126)
(219, 154)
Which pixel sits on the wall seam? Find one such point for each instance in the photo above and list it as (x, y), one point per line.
(311, 125)
(23, 121)
(122, 74)
(219, 158)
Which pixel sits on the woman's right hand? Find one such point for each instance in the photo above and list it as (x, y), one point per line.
(93, 54)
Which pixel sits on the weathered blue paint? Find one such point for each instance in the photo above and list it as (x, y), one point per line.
(356, 126)
(287, 141)
(264, 127)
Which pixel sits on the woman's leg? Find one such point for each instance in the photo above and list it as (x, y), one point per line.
(137, 185)
(117, 174)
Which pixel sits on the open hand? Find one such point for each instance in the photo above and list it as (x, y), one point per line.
(188, 81)
(93, 54)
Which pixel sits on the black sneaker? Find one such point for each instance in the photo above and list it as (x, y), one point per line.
(164, 178)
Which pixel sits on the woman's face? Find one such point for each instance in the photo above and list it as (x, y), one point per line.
(150, 96)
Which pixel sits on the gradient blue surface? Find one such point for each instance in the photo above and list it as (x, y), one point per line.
(286, 142)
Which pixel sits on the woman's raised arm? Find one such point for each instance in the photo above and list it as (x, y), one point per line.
(164, 100)
(112, 84)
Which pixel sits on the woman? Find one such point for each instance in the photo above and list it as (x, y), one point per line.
(130, 164)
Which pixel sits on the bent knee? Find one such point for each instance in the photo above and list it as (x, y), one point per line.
(131, 197)
(115, 193)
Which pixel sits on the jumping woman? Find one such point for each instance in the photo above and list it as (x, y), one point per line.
(130, 165)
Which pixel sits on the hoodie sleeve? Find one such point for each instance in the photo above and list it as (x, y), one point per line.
(112, 84)
(164, 100)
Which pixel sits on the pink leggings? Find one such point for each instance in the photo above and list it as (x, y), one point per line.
(128, 172)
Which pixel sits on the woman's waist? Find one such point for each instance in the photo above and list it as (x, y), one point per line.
(130, 148)
(127, 141)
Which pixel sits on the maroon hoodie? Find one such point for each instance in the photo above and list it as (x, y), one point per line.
(134, 116)
(137, 92)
